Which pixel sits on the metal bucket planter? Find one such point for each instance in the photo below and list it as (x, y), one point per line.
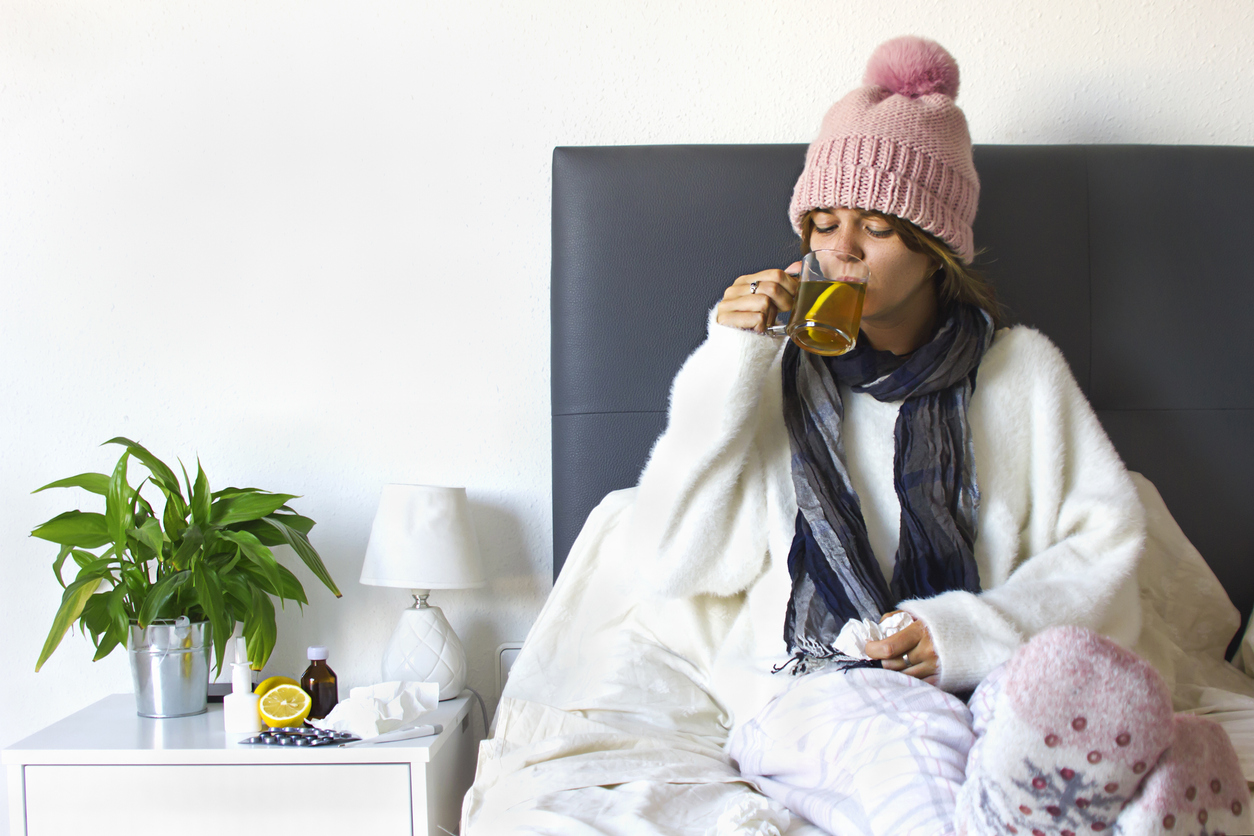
(170, 667)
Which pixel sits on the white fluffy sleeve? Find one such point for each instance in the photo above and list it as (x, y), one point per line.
(699, 525)
(1061, 527)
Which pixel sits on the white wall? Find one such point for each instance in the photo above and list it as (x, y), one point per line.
(308, 241)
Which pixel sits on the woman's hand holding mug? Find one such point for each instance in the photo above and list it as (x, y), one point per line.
(827, 287)
(752, 302)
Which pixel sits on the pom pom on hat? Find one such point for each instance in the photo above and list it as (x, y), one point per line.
(913, 67)
(893, 146)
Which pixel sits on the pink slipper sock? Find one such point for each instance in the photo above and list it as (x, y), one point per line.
(1197, 788)
(1076, 723)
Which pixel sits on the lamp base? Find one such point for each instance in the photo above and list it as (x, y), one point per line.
(424, 648)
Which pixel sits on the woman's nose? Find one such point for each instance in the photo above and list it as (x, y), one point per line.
(847, 240)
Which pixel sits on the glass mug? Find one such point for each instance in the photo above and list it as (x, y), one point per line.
(828, 308)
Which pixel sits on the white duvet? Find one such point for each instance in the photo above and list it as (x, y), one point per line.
(608, 724)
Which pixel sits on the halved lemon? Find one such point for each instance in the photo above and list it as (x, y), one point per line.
(284, 705)
(269, 682)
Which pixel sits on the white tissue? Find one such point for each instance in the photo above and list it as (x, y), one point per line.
(373, 710)
(855, 634)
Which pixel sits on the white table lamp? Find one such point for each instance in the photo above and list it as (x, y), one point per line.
(422, 539)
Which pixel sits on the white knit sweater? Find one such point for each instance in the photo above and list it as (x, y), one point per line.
(1059, 533)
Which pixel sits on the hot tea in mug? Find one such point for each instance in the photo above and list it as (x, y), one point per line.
(828, 308)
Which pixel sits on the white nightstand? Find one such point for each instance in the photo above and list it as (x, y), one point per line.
(105, 770)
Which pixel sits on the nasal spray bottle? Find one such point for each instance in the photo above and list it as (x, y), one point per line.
(240, 713)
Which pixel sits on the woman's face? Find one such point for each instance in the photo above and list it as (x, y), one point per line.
(901, 295)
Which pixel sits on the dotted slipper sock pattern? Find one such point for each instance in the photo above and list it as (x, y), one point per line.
(1076, 725)
(1197, 789)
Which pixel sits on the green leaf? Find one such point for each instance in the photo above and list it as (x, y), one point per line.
(269, 535)
(209, 596)
(150, 535)
(193, 541)
(117, 504)
(161, 592)
(140, 508)
(100, 569)
(162, 475)
(227, 493)
(59, 562)
(289, 585)
(95, 616)
(100, 566)
(75, 528)
(216, 546)
(223, 557)
(237, 589)
(174, 517)
(95, 482)
(261, 556)
(260, 633)
(119, 620)
(106, 645)
(200, 498)
(244, 507)
(226, 568)
(105, 616)
(301, 546)
(295, 522)
(73, 600)
(138, 552)
(137, 585)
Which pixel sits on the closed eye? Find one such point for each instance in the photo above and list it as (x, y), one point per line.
(874, 232)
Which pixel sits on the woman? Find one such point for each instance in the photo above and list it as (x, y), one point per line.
(942, 468)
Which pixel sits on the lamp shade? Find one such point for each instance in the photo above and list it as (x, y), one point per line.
(422, 538)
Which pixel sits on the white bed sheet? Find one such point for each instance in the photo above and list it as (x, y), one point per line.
(608, 724)
(1187, 623)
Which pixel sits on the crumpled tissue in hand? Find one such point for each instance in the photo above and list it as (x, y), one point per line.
(855, 634)
(373, 710)
(751, 815)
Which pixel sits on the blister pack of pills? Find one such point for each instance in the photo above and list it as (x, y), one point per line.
(301, 736)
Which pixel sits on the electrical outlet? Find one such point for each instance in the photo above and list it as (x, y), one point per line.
(505, 656)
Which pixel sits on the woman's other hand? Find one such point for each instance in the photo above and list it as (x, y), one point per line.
(753, 301)
(909, 651)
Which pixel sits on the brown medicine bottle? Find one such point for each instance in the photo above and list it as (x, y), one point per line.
(320, 684)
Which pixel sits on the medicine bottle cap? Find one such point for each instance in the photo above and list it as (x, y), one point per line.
(316, 653)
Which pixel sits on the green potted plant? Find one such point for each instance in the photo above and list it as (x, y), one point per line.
(158, 583)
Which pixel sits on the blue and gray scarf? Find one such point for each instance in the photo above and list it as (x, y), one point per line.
(835, 576)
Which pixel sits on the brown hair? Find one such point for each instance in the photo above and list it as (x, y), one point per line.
(955, 281)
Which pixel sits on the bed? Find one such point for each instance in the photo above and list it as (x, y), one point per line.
(608, 724)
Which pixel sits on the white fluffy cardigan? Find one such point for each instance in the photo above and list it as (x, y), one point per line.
(1060, 525)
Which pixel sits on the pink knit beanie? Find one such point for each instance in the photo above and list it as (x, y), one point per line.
(897, 145)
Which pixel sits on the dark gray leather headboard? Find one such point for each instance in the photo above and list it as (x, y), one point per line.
(1135, 260)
